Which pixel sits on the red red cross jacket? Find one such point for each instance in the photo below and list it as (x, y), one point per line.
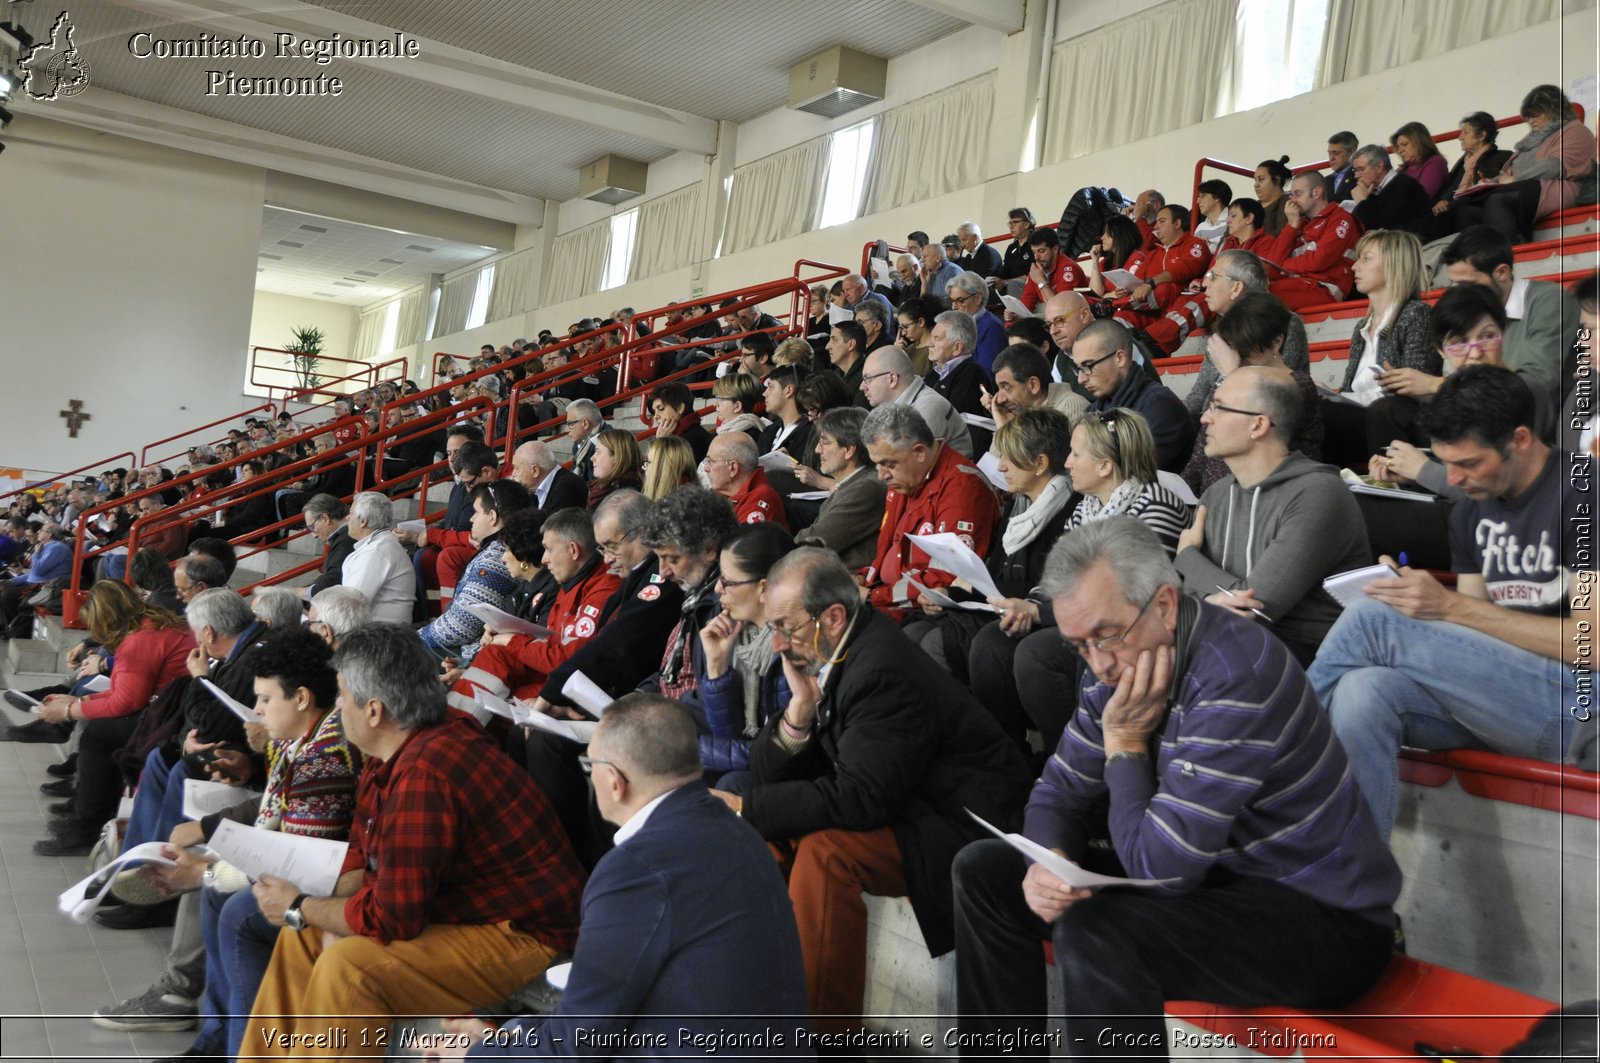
(956, 497)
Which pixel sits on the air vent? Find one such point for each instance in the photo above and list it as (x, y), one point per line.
(314, 228)
(327, 295)
(612, 179)
(289, 243)
(363, 273)
(418, 247)
(275, 258)
(392, 261)
(343, 284)
(837, 82)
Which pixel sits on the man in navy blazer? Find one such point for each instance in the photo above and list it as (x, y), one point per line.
(687, 929)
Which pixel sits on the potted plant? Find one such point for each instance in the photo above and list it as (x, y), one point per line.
(305, 354)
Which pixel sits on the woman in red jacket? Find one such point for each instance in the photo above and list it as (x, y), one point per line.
(150, 646)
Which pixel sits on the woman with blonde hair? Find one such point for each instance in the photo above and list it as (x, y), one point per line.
(151, 646)
(1419, 157)
(617, 463)
(671, 465)
(737, 396)
(795, 351)
(1392, 354)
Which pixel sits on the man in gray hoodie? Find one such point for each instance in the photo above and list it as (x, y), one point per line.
(1267, 535)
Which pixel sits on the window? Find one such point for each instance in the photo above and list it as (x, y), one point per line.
(619, 255)
(848, 153)
(1278, 49)
(391, 327)
(479, 312)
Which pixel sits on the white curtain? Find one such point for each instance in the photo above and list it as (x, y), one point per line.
(668, 236)
(455, 303)
(1365, 36)
(576, 262)
(414, 317)
(369, 331)
(511, 292)
(1161, 69)
(776, 197)
(903, 169)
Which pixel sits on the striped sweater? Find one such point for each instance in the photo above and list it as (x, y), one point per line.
(1248, 778)
(487, 581)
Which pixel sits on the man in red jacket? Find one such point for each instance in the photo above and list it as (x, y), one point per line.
(518, 664)
(1169, 271)
(932, 489)
(1315, 253)
(734, 471)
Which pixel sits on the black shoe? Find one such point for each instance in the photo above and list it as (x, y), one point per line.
(59, 788)
(18, 700)
(75, 840)
(64, 769)
(38, 732)
(138, 916)
(63, 808)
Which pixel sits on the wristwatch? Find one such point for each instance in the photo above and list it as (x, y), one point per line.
(293, 917)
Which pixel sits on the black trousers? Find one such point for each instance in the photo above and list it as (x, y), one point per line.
(552, 761)
(1031, 681)
(100, 784)
(1122, 953)
(1509, 208)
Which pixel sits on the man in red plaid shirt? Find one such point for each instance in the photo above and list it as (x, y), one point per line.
(459, 885)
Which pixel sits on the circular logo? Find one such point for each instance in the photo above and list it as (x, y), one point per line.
(650, 594)
(68, 73)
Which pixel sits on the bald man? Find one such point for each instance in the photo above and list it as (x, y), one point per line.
(535, 466)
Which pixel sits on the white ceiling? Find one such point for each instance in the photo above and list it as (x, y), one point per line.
(349, 263)
(506, 101)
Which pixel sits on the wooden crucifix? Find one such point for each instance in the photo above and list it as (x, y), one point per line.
(75, 417)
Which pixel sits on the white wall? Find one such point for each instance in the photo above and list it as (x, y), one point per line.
(132, 272)
(274, 317)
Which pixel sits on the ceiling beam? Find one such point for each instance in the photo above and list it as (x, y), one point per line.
(457, 69)
(128, 116)
(1002, 15)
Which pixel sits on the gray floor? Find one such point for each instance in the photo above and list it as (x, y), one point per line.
(54, 973)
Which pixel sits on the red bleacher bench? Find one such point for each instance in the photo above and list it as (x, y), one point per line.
(1515, 780)
(1417, 1010)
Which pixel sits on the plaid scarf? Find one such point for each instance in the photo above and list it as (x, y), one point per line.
(677, 674)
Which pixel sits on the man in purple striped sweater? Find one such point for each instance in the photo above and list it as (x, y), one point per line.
(1200, 752)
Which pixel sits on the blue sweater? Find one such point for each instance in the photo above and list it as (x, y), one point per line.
(1248, 777)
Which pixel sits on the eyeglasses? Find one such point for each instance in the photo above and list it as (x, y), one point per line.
(1461, 350)
(1215, 405)
(588, 763)
(611, 549)
(724, 582)
(1082, 648)
(1217, 274)
(1085, 368)
(964, 298)
(789, 635)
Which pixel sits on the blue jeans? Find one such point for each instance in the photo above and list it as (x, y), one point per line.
(1387, 681)
(239, 943)
(158, 803)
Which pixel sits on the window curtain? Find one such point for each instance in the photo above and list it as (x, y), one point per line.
(369, 331)
(776, 197)
(668, 236)
(1158, 70)
(455, 302)
(576, 262)
(414, 317)
(1366, 36)
(903, 169)
(511, 292)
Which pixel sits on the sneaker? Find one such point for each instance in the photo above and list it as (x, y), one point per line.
(150, 1010)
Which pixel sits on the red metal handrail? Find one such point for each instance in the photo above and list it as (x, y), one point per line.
(144, 454)
(107, 462)
(72, 599)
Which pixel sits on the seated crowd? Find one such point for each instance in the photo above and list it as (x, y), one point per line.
(950, 548)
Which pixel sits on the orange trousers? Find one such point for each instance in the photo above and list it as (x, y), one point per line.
(828, 872)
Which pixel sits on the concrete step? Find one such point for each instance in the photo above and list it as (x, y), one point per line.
(32, 655)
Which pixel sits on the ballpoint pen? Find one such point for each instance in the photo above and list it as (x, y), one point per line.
(1258, 612)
